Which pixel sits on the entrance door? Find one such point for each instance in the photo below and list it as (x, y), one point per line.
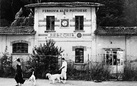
(114, 58)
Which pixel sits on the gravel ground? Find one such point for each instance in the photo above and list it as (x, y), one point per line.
(43, 82)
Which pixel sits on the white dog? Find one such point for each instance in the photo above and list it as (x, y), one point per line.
(33, 79)
(53, 77)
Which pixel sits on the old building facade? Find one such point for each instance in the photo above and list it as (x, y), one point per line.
(70, 24)
(73, 26)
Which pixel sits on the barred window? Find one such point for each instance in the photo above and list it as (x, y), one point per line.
(79, 55)
(113, 56)
(50, 22)
(79, 20)
(20, 48)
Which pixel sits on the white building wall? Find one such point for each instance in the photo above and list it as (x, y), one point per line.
(108, 42)
(94, 27)
(40, 20)
(128, 44)
(6, 44)
(131, 46)
(67, 35)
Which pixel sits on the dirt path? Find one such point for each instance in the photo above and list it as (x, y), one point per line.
(43, 82)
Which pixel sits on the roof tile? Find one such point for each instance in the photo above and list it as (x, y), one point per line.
(116, 31)
(17, 30)
(64, 4)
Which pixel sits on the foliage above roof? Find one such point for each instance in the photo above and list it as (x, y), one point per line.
(21, 20)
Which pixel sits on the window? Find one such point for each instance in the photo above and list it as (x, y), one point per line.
(20, 48)
(50, 22)
(79, 55)
(112, 56)
(79, 20)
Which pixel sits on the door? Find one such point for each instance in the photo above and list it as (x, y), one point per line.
(114, 58)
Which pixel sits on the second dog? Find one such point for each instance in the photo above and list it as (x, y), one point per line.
(53, 77)
(33, 79)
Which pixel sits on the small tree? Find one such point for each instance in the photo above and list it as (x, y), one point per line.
(6, 65)
(45, 58)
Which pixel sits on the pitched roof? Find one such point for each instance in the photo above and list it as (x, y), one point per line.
(17, 30)
(64, 4)
(114, 31)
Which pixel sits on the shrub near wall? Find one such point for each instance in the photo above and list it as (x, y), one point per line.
(76, 71)
(130, 74)
(45, 58)
(6, 66)
(99, 72)
(95, 72)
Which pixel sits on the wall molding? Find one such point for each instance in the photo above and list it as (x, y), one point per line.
(20, 41)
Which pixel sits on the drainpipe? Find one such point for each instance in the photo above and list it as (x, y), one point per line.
(6, 45)
(96, 44)
(125, 49)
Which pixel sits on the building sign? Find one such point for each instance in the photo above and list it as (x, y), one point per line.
(64, 10)
(65, 35)
(61, 35)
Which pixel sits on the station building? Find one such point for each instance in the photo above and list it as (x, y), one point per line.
(73, 26)
(70, 24)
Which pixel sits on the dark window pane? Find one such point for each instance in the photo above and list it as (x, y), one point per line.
(81, 23)
(111, 57)
(20, 48)
(79, 20)
(50, 22)
(79, 55)
(114, 58)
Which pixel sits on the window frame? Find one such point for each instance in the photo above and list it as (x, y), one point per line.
(111, 56)
(20, 48)
(50, 23)
(77, 57)
(80, 25)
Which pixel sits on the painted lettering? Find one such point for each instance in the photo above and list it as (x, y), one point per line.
(64, 10)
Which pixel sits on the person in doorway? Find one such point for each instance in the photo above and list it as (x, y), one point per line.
(19, 76)
(63, 69)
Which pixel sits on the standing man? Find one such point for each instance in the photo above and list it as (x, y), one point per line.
(63, 69)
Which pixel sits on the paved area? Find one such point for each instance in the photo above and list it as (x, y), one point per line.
(44, 82)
